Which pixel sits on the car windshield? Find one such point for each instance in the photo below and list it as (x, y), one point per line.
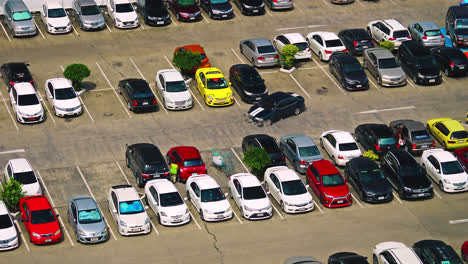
(348, 146)
(65, 93)
(193, 162)
(142, 93)
(374, 175)
(27, 99)
(387, 141)
(90, 10)
(123, 8)
(332, 180)
(309, 151)
(27, 177)
(202, 56)
(186, 2)
(5, 221)
(433, 33)
(216, 83)
(219, 1)
(301, 45)
(174, 87)
(294, 187)
(269, 144)
(267, 103)
(170, 199)
(352, 67)
(42, 217)
(58, 12)
(459, 135)
(131, 207)
(400, 34)
(252, 193)
(425, 61)
(388, 63)
(451, 167)
(361, 35)
(251, 77)
(212, 195)
(333, 43)
(420, 134)
(266, 49)
(461, 23)
(89, 216)
(21, 16)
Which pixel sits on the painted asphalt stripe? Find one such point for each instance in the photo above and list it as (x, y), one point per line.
(308, 26)
(238, 16)
(376, 86)
(196, 222)
(393, 3)
(267, 72)
(12, 151)
(92, 195)
(235, 53)
(238, 219)
(277, 211)
(22, 236)
(194, 97)
(300, 86)
(173, 21)
(110, 30)
(8, 37)
(237, 156)
(360, 3)
(357, 201)
(339, 86)
(74, 30)
(327, 3)
(268, 11)
(40, 31)
(308, 68)
(205, 18)
(459, 221)
(317, 206)
(50, 113)
(123, 173)
(386, 110)
(168, 61)
(438, 195)
(396, 196)
(9, 113)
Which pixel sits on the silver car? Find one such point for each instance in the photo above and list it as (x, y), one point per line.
(381, 63)
(260, 52)
(86, 220)
(427, 33)
(88, 15)
(18, 18)
(300, 150)
(279, 4)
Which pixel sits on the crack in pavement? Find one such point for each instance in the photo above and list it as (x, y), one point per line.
(215, 242)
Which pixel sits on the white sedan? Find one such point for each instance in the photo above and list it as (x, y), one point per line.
(122, 13)
(62, 97)
(55, 18)
(26, 103)
(340, 146)
(21, 170)
(173, 90)
(323, 44)
(249, 196)
(394, 252)
(295, 39)
(8, 233)
(445, 170)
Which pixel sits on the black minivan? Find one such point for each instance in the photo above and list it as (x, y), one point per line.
(456, 25)
(154, 12)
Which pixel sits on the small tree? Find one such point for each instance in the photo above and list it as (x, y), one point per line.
(11, 193)
(257, 159)
(186, 61)
(287, 56)
(387, 45)
(371, 155)
(76, 72)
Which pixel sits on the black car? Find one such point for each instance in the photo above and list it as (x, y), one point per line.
(356, 40)
(153, 12)
(138, 95)
(348, 71)
(269, 144)
(452, 61)
(413, 135)
(146, 162)
(418, 63)
(368, 180)
(376, 137)
(274, 107)
(347, 258)
(16, 72)
(436, 252)
(217, 9)
(250, 7)
(247, 83)
(406, 175)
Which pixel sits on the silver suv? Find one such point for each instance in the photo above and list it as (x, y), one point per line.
(88, 15)
(381, 63)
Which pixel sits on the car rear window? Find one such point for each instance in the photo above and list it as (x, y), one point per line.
(27, 99)
(400, 34)
(348, 146)
(333, 43)
(269, 145)
(420, 134)
(5, 221)
(25, 177)
(301, 46)
(361, 35)
(309, 151)
(387, 141)
(21, 16)
(20, 75)
(193, 162)
(142, 94)
(433, 33)
(459, 135)
(266, 49)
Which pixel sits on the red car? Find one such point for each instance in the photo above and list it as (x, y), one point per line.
(464, 251)
(189, 161)
(205, 62)
(40, 220)
(328, 184)
(462, 156)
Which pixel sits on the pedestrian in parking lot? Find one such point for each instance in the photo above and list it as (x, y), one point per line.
(173, 170)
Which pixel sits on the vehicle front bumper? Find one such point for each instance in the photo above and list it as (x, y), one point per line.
(357, 86)
(92, 26)
(31, 119)
(177, 106)
(212, 217)
(94, 238)
(282, 5)
(129, 231)
(258, 214)
(10, 245)
(63, 113)
(429, 81)
(175, 220)
(378, 198)
(216, 102)
(292, 209)
(127, 24)
(223, 15)
(190, 18)
(158, 22)
(27, 32)
(59, 30)
(418, 195)
(342, 1)
(254, 10)
(392, 82)
(337, 201)
(46, 240)
(452, 188)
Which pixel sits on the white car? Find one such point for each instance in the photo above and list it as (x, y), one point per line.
(445, 170)
(127, 211)
(26, 103)
(21, 170)
(250, 196)
(288, 190)
(323, 44)
(208, 198)
(8, 233)
(55, 18)
(395, 253)
(295, 39)
(388, 30)
(340, 146)
(173, 90)
(62, 97)
(122, 13)
(162, 196)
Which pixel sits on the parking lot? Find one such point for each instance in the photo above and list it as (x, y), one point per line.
(85, 155)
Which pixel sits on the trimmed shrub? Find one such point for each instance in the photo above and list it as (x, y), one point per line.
(11, 193)
(186, 61)
(371, 155)
(257, 159)
(287, 54)
(76, 72)
(387, 45)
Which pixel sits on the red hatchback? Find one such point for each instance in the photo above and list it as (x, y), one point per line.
(205, 62)
(464, 251)
(189, 161)
(328, 184)
(462, 156)
(40, 220)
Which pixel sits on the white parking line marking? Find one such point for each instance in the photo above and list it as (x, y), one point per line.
(237, 156)
(205, 18)
(74, 30)
(193, 96)
(438, 195)
(22, 236)
(393, 3)
(376, 86)
(53, 205)
(100, 90)
(45, 104)
(173, 21)
(235, 53)
(110, 30)
(300, 86)
(168, 61)
(238, 16)
(123, 173)
(317, 206)
(193, 218)
(302, 12)
(308, 68)
(459, 221)
(12, 151)
(360, 3)
(9, 113)
(142, 26)
(40, 31)
(417, 88)
(327, 3)
(357, 201)
(92, 195)
(268, 11)
(8, 37)
(267, 72)
(341, 89)
(396, 196)
(386, 110)
(238, 219)
(113, 89)
(277, 211)
(86, 109)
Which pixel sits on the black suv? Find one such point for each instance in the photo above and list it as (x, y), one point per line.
(406, 175)
(16, 72)
(452, 61)
(348, 71)
(418, 63)
(356, 40)
(137, 94)
(146, 162)
(269, 144)
(153, 12)
(247, 82)
(436, 252)
(377, 137)
(456, 25)
(347, 258)
(413, 135)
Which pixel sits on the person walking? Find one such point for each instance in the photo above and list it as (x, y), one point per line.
(173, 170)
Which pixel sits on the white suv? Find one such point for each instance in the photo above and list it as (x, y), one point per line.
(445, 170)
(55, 18)
(21, 170)
(122, 13)
(173, 90)
(26, 104)
(62, 97)
(388, 29)
(340, 146)
(394, 252)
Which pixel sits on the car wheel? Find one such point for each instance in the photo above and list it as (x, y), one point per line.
(267, 188)
(297, 111)
(400, 193)
(446, 72)
(129, 107)
(55, 110)
(415, 79)
(379, 80)
(424, 168)
(307, 180)
(188, 196)
(463, 255)
(321, 198)
(241, 211)
(320, 56)
(159, 218)
(252, 61)
(441, 186)
(210, 14)
(374, 260)
(321, 142)
(127, 162)
(267, 122)
(364, 64)
(120, 90)
(361, 195)
(201, 215)
(241, 49)
(334, 161)
(140, 182)
(146, 200)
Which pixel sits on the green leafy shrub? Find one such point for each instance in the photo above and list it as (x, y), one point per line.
(186, 61)
(387, 45)
(11, 193)
(257, 159)
(76, 72)
(371, 155)
(287, 56)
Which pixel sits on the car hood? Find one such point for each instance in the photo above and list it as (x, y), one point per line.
(257, 111)
(416, 182)
(312, 158)
(127, 16)
(219, 93)
(377, 187)
(58, 21)
(298, 199)
(93, 18)
(45, 228)
(30, 109)
(429, 71)
(92, 227)
(31, 189)
(259, 88)
(392, 73)
(68, 103)
(456, 178)
(158, 12)
(188, 9)
(252, 2)
(217, 206)
(223, 7)
(337, 191)
(25, 23)
(257, 203)
(134, 219)
(356, 76)
(7, 233)
(178, 210)
(178, 96)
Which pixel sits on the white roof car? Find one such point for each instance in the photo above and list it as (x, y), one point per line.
(162, 196)
(128, 212)
(173, 90)
(8, 233)
(323, 44)
(288, 190)
(122, 13)
(388, 29)
(445, 170)
(62, 97)
(26, 103)
(54, 17)
(249, 196)
(340, 146)
(394, 252)
(21, 170)
(208, 198)
(295, 39)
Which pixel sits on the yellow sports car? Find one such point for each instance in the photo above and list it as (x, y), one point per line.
(450, 133)
(216, 91)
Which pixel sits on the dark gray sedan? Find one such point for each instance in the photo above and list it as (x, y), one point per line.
(259, 52)
(86, 220)
(300, 150)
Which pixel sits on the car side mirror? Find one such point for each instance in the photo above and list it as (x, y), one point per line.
(318, 183)
(51, 97)
(437, 170)
(146, 207)
(307, 186)
(185, 199)
(134, 8)
(40, 99)
(114, 211)
(268, 192)
(9, 18)
(238, 196)
(230, 83)
(226, 194)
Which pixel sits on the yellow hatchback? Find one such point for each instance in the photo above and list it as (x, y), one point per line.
(216, 91)
(450, 133)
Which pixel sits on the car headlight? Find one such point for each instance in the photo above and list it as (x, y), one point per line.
(118, 20)
(122, 223)
(60, 108)
(216, 12)
(163, 213)
(231, 96)
(210, 97)
(328, 196)
(147, 221)
(11, 239)
(49, 25)
(446, 181)
(21, 113)
(206, 211)
(258, 119)
(286, 203)
(197, 13)
(407, 189)
(246, 208)
(104, 230)
(69, 24)
(36, 235)
(81, 233)
(169, 101)
(137, 20)
(262, 5)
(57, 232)
(187, 211)
(420, 75)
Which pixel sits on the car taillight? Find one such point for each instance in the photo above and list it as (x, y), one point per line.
(135, 102)
(283, 158)
(275, 1)
(410, 37)
(392, 39)
(459, 38)
(328, 52)
(154, 101)
(451, 142)
(460, 42)
(413, 146)
(276, 56)
(433, 143)
(144, 175)
(308, 49)
(166, 173)
(442, 36)
(452, 64)
(31, 81)
(340, 157)
(376, 147)
(345, 50)
(424, 37)
(372, 42)
(12, 83)
(260, 58)
(303, 162)
(355, 43)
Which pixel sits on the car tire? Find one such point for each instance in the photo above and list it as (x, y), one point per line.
(297, 111)
(159, 219)
(307, 180)
(321, 198)
(201, 215)
(129, 107)
(400, 193)
(241, 49)
(146, 200)
(320, 56)
(369, 32)
(140, 183)
(463, 255)
(374, 259)
(424, 168)
(210, 14)
(361, 195)
(188, 196)
(241, 211)
(364, 64)
(415, 79)
(267, 187)
(379, 80)
(444, 145)
(334, 161)
(55, 110)
(441, 186)
(446, 72)
(321, 142)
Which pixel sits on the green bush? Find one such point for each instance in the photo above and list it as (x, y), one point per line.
(387, 45)
(186, 61)
(76, 72)
(11, 193)
(371, 155)
(287, 56)
(257, 159)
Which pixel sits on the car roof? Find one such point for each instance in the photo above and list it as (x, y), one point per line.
(325, 167)
(345, 57)
(441, 154)
(343, 136)
(459, 11)
(300, 259)
(244, 68)
(449, 51)
(428, 25)
(194, 48)
(260, 41)
(205, 181)
(84, 203)
(162, 185)
(133, 81)
(278, 96)
(394, 24)
(412, 125)
(125, 192)
(429, 243)
(363, 162)
(453, 125)
(403, 156)
(381, 53)
(17, 66)
(87, 2)
(416, 48)
(301, 140)
(171, 75)
(379, 129)
(3, 208)
(188, 152)
(60, 83)
(405, 255)
(20, 165)
(24, 88)
(212, 72)
(326, 35)
(53, 4)
(150, 153)
(355, 30)
(349, 257)
(284, 173)
(37, 202)
(295, 37)
(246, 179)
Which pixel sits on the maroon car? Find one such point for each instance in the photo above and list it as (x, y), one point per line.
(185, 10)
(462, 156)
(188, 160)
